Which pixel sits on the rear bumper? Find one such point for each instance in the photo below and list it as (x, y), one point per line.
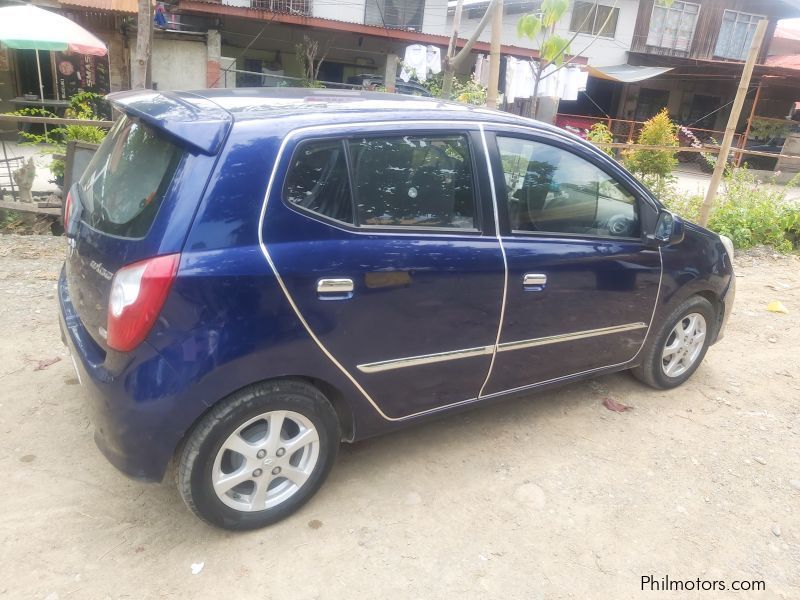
(129, 397)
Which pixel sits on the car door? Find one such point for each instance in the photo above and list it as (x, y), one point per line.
(380, 241)
(582, 285)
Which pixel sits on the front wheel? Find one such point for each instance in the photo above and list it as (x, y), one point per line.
(679, 346)
(259, 455)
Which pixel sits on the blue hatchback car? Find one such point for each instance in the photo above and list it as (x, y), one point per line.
(254, 276)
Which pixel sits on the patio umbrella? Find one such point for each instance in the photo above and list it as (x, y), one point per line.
(27, 27)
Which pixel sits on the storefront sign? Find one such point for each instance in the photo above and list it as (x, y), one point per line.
(81, 73)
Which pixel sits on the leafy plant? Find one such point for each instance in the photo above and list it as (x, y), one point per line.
(751, 212)
(601, 134)
(652, 165)
(307, 55)
(767, 129)
(540, 26)
(84, 105)
(468, 92)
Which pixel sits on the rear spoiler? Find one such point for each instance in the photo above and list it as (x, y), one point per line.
(190, 119)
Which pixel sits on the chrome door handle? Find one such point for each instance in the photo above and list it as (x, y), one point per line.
(534, 281)
(335, 289)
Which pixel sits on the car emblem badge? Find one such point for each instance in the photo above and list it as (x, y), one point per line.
(267, 462)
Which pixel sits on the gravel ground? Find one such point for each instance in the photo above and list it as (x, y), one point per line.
(546, 496)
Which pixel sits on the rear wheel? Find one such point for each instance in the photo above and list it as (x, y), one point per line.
(679, 346)
(259, 455)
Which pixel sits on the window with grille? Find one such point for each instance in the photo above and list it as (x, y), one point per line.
(301, 7)
(399, 14)
(736, 34)
(672, 26)
(594, 19)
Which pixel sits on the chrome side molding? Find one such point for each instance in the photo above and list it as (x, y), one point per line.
(427, 359)
(568, 337)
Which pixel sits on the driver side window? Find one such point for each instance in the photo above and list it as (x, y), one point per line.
(550, 190)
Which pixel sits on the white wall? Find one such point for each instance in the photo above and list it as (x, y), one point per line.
(351, 11)
(599, 52)
(178, 64)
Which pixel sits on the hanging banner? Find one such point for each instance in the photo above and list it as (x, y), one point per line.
(81, 73)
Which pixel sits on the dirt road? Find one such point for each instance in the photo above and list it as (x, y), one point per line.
(547, 496)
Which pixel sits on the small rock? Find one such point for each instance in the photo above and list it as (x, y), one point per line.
(531, 494)
(772, 340)
(315, 524)
(776, 530)
(197, 567)
(795, 483)
(759, 460)
(28, 458)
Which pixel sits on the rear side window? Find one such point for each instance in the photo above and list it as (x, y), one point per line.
(413, 181)
(124, 184)
(317, 180)
(399, 181)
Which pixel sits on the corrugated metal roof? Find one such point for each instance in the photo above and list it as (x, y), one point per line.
(120, 6)
(786, 61)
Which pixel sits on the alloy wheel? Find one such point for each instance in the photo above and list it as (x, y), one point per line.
(684, 345)
(266, 460)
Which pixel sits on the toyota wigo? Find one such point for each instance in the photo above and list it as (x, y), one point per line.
(254, 276)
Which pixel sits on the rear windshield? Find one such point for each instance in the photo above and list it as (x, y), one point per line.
(124, 184)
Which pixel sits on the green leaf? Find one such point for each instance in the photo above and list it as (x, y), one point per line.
(553, 10)
(529, 26)
(554, 48)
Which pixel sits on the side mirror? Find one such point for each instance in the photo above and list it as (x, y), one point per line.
(669, 230)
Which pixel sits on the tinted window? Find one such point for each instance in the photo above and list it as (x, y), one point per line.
(414, 181)
(552, 190)
(317, 180)
(124, 184)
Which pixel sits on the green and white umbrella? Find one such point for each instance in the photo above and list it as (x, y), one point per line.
(27, 27)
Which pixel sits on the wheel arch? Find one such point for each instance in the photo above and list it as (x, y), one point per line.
(333, 395)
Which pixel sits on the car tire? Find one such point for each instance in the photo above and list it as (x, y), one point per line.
(668, 359)
(259, 455)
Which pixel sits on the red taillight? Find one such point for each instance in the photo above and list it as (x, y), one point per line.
(138, 292)
(67, 209)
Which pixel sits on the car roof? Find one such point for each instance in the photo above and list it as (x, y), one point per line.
(202, 118)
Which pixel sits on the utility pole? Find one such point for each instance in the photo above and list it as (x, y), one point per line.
(733, 120)
(494, 55)
(144, 35)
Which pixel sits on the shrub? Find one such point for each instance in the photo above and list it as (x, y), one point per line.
(748, 212)
(601, 134)
(84, 105)
(652, 165)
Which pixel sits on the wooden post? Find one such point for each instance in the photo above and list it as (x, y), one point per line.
(494, 55)
(749, 123)
(390, 75)
(733, 120)
(144, 30)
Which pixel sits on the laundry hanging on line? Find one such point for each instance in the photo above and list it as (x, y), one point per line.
(559, 82)
(418, 60)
